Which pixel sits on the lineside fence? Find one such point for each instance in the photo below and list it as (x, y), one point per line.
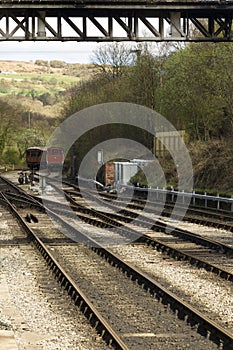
(205, 200)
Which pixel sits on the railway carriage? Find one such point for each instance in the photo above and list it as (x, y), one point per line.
(36, 157)
(43, 157)
(54, 157)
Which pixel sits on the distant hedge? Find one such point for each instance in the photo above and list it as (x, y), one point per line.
(57, 64)
(42, 62)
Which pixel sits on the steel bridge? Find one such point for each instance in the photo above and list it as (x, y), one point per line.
(101, 21)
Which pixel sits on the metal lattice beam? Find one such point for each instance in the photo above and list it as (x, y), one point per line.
(109, 21)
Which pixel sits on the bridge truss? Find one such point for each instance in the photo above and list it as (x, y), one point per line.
(101, 21)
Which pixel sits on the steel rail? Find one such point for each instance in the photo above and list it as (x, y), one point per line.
(158, 225)
(91, 313)
(169, 250)
(205, 326)
(138, 203)
(204, 214)
(133, 235)
(18, 189)
(110, 220)
(22, 199)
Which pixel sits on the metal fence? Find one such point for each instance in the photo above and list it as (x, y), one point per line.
(205, 200)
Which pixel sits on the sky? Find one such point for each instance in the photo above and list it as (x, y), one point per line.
(70, 52)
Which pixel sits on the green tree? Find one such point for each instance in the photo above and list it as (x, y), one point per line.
(191, 96)
(11, 156)
(29, 138)
(8, 119)
(224, 85)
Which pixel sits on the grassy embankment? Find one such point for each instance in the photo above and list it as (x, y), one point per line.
(41, 87)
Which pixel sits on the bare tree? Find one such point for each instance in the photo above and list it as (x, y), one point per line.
(112, 58)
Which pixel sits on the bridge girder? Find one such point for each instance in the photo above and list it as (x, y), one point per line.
(109, 21)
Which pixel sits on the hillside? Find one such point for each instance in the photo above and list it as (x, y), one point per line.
(40, 86)
(43, 66)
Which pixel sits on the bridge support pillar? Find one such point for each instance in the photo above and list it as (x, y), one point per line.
(41, 25)
(175, 30)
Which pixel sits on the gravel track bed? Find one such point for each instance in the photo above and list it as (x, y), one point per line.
(213, 296)
(9, 228)
(47, 229)
(39, 312)
(221, 235)
(107, 237)
(164, 336)
(91, 203)
(140, 319)
(111, 237)
(218, 234)
(221, 260)
(33, 305)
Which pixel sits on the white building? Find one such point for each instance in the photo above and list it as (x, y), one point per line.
(123, 171)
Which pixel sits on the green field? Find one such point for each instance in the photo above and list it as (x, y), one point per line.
(35, 84)
(41, 87)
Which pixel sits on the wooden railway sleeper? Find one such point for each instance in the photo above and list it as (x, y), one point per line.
(145, 281)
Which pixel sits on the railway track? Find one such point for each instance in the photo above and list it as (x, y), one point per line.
(79, 298)
(208, 217)
(221, 219)
(205, 216)
(148, 284)
(136, 207)
(38, 313)
(176, 246)
(180, 244)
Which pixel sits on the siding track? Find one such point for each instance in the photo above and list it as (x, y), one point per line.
(183, 311)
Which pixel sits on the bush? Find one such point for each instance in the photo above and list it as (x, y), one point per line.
(212, 165)
(47, 99)
(41, 62)
(57, 64)
(11, 156)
